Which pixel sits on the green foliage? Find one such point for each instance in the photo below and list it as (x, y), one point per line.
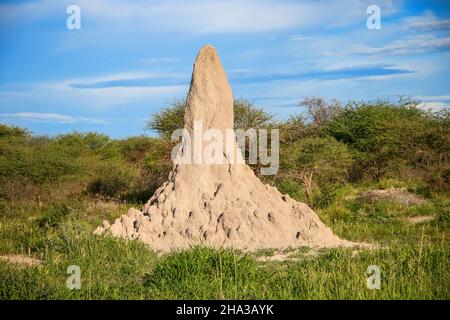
(78, 140)
(110, 267)
(294, 129)
(320, 111)
(116, 269)
(158, 158)
(113, 180)
(338, 212)
(329, 159)
(413, 258)
(53, 214)
(202, 272)
(40, 163)
(396, 143)
(291, 187)
(246, 116)
(386, 135)
(134, 149)
(442, 210)
(318, 163)
(129, 169)
(168, 120)
(12, 132)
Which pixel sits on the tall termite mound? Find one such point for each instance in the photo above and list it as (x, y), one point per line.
(219, 204)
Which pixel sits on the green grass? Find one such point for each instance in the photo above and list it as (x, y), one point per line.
(414, 259)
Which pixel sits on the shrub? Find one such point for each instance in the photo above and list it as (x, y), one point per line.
(337, 212)
(168, 120)
(291, 187)
(246, 115)
(113, 180)
(386, 136)
(53, 215)
(316, 161)
(81, 144)
(12, 132)
(442, 209)
(42, 163)
(18, 189)
(320, 111)
(134, 149)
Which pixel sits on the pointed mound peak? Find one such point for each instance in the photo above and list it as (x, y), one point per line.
(210, 98)
(208, 57)
(207, 51)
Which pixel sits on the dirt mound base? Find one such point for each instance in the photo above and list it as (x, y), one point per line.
(399, 195)
(20, 260)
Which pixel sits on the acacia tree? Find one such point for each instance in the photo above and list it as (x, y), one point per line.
(246, 116)
(168, 119)
(316, 162)
(321, 111)
(383, 134)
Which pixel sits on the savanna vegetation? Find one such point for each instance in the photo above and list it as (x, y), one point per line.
(54, 191)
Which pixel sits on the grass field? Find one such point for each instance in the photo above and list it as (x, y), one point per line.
(414, 259)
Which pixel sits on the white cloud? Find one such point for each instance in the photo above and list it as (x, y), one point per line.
(88, 96)
(52, 117)
(123, 76)
(203, 16)
(408, 45)
(431, 25)
(65, 84)
(109, 97)
(427, 22)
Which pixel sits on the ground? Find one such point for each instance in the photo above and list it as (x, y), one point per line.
(412, 252)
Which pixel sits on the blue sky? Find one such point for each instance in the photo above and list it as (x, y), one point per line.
(130, 58)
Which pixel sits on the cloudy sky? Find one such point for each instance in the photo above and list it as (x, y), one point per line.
(130, 58)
